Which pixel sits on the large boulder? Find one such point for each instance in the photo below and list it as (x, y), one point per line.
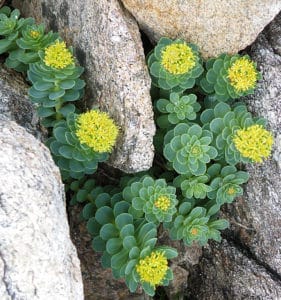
(107, 43)
(215, 26)
(37, 257)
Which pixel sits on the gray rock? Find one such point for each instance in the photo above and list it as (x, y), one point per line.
(14, 102)
(37, 257)
(107, 43)
(225, 272)
(215, 26)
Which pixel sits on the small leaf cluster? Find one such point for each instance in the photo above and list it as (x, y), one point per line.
(196, 224)
(10, 28)
(153, 199)
(179, 108)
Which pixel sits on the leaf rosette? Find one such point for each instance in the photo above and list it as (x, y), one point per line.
(226, 183)
(153, 199)
(75, 159)
(224, 122)
(33, 39)
(230, 77)
(177, 109)
(188, 149)
(174, 65)
(196, 224)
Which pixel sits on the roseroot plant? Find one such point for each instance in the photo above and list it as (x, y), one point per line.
(193, 186)
(179, 108)
(80, 142)
(55, 81)
(10, 28)
(188, 148)
(33, 39)
(174, 65)
(230, 77)
(196, 224)
(238, 137)
(152, 199)
(128, 246)
(226, 183)
(202, 143)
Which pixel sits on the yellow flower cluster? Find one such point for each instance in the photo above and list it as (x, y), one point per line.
(34, 34)
(163, 203)
(194, 231)
(242, 74)
(178, 58)
(153, 268)
(58, 56)
(97, 130)
(253, 142)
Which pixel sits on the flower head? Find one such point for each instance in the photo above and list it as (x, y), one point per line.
(97, 130)
(163, 203)
(254, 142)
(242, 74)
(34, 34)
(58, 56)
(178, 58)
(153, 268)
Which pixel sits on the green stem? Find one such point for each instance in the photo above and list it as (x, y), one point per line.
(58, 106)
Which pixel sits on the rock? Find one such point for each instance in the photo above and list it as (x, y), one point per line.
(107, 43)
(14, 102)
(37, 257)
(99, 283)
(215, 26)
(225, 272)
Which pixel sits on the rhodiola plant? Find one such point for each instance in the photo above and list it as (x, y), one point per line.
(200, 141)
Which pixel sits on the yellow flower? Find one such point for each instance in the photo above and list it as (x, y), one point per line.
(163, 203)
(58, 56)
(194, 231)
(231, 191)
(178, 58)
(97, 130)
(254, 142)
(242, 74)
(153, 268)
(34, 34)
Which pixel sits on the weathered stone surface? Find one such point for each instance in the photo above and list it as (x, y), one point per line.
(107, 43)
(37, 257)
(14, 102)
(99, 283)
(225, 272)
(215, 26)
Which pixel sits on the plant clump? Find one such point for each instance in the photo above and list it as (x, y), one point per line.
(200, 144)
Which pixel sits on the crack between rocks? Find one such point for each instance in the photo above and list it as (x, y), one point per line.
(235, 242)
(4, 279)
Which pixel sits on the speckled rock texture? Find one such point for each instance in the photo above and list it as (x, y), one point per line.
(215, 26)
(14, 102)
(226, 272)
(247, 265)
(107, 43)
(37, 257)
